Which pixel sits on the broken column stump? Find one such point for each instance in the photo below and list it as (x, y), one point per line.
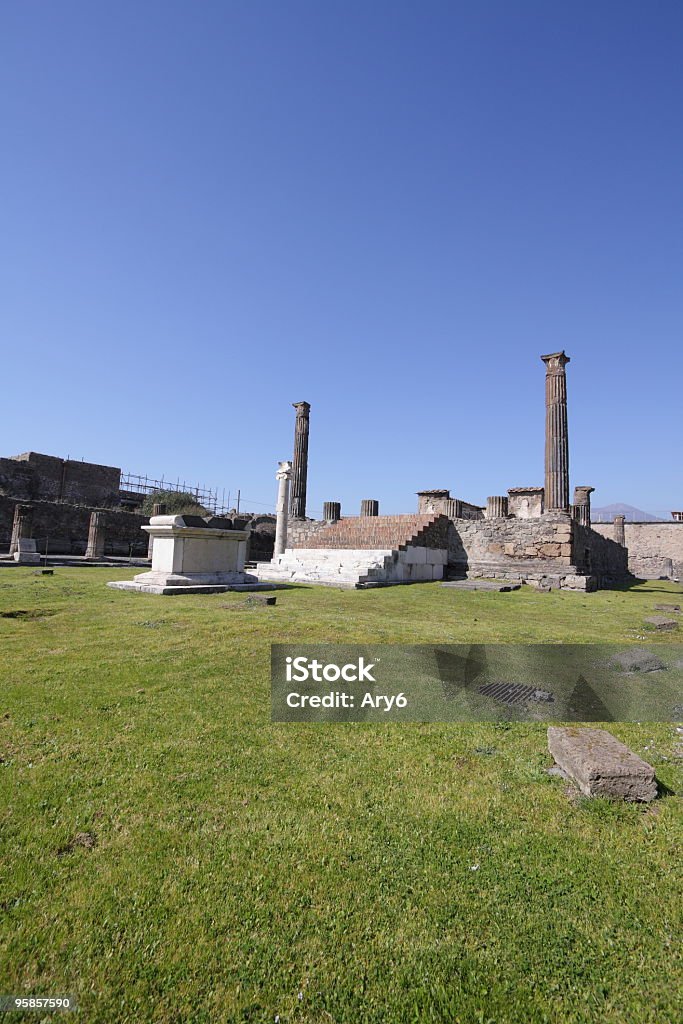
(600, 764)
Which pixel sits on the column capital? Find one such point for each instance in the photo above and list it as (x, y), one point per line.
(284, 471)
(302, 408)
(555, 362)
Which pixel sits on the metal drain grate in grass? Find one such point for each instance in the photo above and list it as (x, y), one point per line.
(515, 693)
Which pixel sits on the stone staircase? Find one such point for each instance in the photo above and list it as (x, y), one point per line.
(366, 551)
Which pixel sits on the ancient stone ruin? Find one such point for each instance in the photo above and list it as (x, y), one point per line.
(530, 534)
(81, 509)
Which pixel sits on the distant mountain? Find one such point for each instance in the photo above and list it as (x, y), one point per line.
(632, 515)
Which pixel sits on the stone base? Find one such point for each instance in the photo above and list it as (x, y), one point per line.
(193, 579)
(190, 583)
(26, 553)
(199, 588)
(26, 558)
(356, 568)
(600, 764)
(543, 575)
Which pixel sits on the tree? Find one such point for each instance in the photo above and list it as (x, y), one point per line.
(177, 503)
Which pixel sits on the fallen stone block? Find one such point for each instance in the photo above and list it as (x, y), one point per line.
(667, 607)
(661, 623)
(601, 765)
(637, 660)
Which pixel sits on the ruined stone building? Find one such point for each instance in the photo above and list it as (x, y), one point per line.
(541, 535)
(80, 508)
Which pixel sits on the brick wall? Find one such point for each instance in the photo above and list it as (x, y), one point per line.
(385, 533)
(65, 528)
(654, 549)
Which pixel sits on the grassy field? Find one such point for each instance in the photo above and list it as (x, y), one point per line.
(169, 855)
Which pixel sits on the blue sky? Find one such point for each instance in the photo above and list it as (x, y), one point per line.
(389, 209)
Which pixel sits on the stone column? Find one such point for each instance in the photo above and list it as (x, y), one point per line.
(95, 548)
(369, 507)
(496, 507)
(556, 433)
(283, 477)
(581, 509)
(297, 507)
(619, 530)
(453, 508)
(677, 517)
(21, 526)
(332, 511)
(158, 509)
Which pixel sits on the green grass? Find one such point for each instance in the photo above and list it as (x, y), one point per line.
(325, 873)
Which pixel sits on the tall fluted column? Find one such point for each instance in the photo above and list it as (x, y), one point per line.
(556, 433)
(21, 526)
(297, 508)
(95, 548)
(283, 477)
(369, 507)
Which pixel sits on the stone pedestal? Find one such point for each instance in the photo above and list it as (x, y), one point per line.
(297, 508)
(332, 511)
(283, 477)
(26, 552)
(95, 549)
(496, 507)
(158, 509)
(191, 557)
(369, 507)
(21, 525)
(525, 502)
(556, 433)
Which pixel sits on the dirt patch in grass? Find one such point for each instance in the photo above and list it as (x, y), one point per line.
(88, 840)
(28, 613)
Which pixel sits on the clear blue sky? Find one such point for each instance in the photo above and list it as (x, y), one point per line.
(389, 209)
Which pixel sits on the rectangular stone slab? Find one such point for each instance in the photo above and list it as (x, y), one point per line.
(600, 764)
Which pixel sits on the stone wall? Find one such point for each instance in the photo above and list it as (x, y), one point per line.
(517, 544)
(35, 477)
(550, 547)
(64, 528)
(300, 531)
(598, 555)
(655, 550)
